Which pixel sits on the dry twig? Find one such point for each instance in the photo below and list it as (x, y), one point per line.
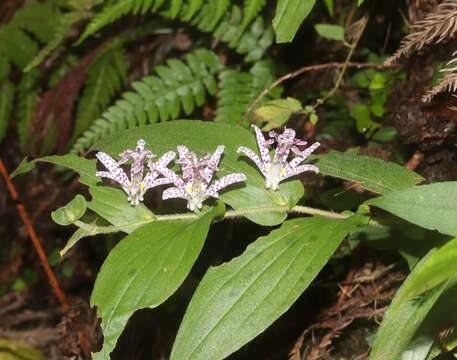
(33, 236)
(355, 33)
(436, 27)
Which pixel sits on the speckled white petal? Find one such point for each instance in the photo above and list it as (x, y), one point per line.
(182, 151)
(298, 170)
(116, 172)
(175, 193)
(171, 175)
(303, 155)
(254, 157)
(225, 181)
(213, 162)
(263, 146)
(163, 161)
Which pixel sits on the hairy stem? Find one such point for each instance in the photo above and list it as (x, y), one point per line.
(97, 230)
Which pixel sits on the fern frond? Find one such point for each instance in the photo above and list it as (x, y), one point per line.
(239, 89)
(37, 18)
(178, 87)
(106, 76)
(447, 84)
(234, 96)
(213, 16)
(61, 32)
(251, 10)
(263, 74)
(28, 96)
(112, 12)
(436, 27)
(175, 8)
(6, 106)
(211, 13)
(192, 8)
(252, 43)
(16, 45)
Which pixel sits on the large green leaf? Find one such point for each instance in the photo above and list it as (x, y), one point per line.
(289, 16)
(373, 174)
(143, 270)
(86, 168)
(112, 205)
(433, 206)
(238, 300)
(404, 316)
(440, 266)
(204, 137)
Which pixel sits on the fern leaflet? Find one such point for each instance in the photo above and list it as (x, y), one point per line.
(214, 16)
(106, 76)
(6, 106)
(177, 87)
(116, 10)
(251, 10)
(61, 32)
(16, 45)
(27, 100)
(239, 89)
(193, 7)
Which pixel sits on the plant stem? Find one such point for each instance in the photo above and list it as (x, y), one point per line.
(314, 211)
(96, 230)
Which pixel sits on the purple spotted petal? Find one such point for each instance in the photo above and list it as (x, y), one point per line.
(254, 157)
(225, 181)
(116, 172)
(263, 146)
(298, 170)
(303, 155)
(175, 193)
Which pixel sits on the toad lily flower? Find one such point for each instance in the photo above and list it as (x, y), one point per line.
(136, 186)
(279, 168)
(194, 185)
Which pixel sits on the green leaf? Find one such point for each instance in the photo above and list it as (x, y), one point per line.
(71, 212)
(204, 137)
(385, 134)
(373, 174)
(329, 4)
(330, 31)
(404, 316)
(86, 168)
(78, 235)
(440, 266)
(433, 206)
(362, 114)
(289, 16)
(276, 112)
(144, 270)
(112, 205)
(238, 300)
